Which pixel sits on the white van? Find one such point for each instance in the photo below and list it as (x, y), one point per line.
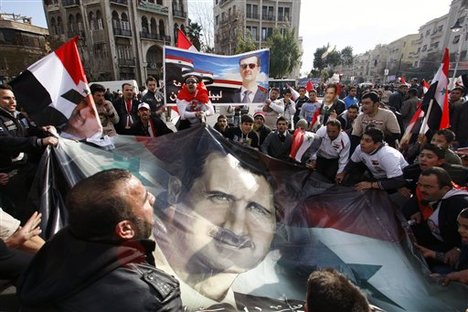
(116, 85)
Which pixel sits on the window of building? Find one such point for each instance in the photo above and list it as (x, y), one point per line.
(254, 31)
(100, 24)
(217, 19)
(154, 26)
(125, 23)
(79, 22)
(440, 28)
(144, 24)
(456, 39)
(162, 28)
(92, 21)
(71, 23)
(115, 19)
(53, 26)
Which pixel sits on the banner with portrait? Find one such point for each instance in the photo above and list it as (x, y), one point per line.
(235, 79)
(242, 231)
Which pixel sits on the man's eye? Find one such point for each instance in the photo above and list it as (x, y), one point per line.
(220, 198)
(259, 209)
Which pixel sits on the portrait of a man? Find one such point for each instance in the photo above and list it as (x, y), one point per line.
(223, 217)
(251, 91)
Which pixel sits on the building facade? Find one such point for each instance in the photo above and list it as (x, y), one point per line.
(119, 39)
(420, 54)
(256, 18)
(21, 44)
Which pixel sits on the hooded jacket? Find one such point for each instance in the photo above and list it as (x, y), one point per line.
(70, 274)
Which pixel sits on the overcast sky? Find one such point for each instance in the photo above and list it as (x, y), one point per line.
(360, 24)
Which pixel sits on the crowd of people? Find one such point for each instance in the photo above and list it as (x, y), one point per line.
(354, 139)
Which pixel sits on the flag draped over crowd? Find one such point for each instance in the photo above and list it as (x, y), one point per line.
(316, 224)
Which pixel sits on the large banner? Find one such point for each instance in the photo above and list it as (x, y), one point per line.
(227, 78)
(242, 231)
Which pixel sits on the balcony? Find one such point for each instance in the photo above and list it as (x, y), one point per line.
(126, 62)
(53, 7)
(283, 18)
(70, 3)
(73, 33)
(178, 13)
(268, 17)
(253, 15)
(120, 2)
(122, 32)
(153, 8)
(158, 37)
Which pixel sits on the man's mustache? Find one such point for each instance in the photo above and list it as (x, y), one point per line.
(230, 238)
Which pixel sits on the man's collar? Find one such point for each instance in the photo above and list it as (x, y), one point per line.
(253, 90)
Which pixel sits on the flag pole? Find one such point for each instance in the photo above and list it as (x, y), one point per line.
(426, 118)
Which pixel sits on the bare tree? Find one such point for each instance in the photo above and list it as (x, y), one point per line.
(201, 12)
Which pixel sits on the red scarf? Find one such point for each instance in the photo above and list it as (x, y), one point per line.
(200, 94)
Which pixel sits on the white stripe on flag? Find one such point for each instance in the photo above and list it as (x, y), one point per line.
(50, 72)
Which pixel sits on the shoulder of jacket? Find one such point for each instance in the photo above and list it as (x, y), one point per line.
(164, 284)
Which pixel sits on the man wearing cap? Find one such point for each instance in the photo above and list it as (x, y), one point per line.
(148, 125)
(397, 97)
(193, 103)
(244, 134)
(260, 128)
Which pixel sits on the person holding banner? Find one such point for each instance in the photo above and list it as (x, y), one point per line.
(193, 103)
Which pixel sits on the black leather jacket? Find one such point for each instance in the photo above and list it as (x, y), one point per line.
(70, 274)
(14, 139)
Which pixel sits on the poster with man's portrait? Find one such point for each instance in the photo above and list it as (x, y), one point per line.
(235, 79)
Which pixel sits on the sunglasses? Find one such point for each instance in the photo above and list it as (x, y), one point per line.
(251, 65)
(191, 81)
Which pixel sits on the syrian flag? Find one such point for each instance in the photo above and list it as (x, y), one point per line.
(184, 43)
(309, 86)
(418, 115)
(435, 102)
(302, 140)
(55, 88)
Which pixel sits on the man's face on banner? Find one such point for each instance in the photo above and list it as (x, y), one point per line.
(249, 69)
(83, 122)
(227, 219)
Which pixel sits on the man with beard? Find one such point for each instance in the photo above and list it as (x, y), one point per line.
(102, 261)
(218, 222)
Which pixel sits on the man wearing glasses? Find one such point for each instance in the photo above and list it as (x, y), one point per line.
(250, 92)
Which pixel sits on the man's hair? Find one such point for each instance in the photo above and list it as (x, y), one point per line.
(460, 88)
(353, 106)
(287, 91)
(150, 78)
(352, 88)
(249, 56)
(95, 87)
(443, 178)
(329, 290)
(334, 123)
(464, 213)
(448, 134)
(247, 118)
(281, 118)
(413, 92)
(5, 87)
(333, 86)
(376, 134)
(97, 203)
(299, 89)
(126, 84)
(374, 97)
(275, 89)
(221, 116)
(439, 152)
